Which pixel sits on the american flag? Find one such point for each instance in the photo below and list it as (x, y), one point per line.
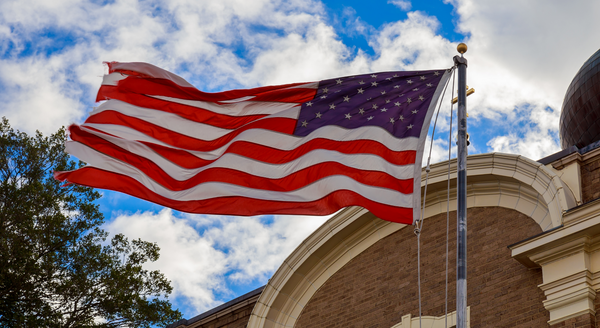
(305, 148)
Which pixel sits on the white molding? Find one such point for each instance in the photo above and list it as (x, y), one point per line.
(430, 321)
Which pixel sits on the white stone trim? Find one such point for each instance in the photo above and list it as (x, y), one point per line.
(431, 322)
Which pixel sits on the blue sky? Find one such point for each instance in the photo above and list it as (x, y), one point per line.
(522, 56)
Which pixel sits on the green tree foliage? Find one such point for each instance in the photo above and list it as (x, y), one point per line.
(56, 267)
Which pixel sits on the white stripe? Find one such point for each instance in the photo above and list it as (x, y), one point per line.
(312, 192)
(367, 162)
(236, 100)
(309, 85)
(234, 109)
(272, 139)
(175, 122)
(113, 78)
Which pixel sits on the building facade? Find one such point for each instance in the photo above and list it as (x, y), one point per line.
(533, 249)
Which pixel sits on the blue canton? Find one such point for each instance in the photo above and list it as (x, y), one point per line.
(395, 101)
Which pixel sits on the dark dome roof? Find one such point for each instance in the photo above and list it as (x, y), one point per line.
(580, 117)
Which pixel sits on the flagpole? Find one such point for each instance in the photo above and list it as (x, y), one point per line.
(461, 232)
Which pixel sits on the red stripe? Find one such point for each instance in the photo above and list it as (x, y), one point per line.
(277, 124)
(291, 182)
(293, 95)
(168, 88)
(189, 112)
(271, 155)
(96, 178)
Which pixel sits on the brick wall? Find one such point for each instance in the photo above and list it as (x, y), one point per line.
(590, 179)
(379, 286)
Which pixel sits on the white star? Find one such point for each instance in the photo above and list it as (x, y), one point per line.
(416, 89)
(339, 81)
(392, 120)
(369, 118)
(325, 90)
(397, 103)
(374, 106)
(361, 111)
(304, 124)
(319, 115)
(332, 106)
(387, 101)
(415, 111)
(373, 75)
(383, 92)
(395, 75)
(346, 98)
(421, 98)
(409, 100)
(384, 110)
(409, 127)
(309, 104)
(323, 96)
(348, 116)
(401, 118)
(436, 73)
(360, 91)
(429, 85)
(369, 98)
(374, 84)
(389, 78)
(396, 86)
(409, 81)
(422, 78)
(361, 82)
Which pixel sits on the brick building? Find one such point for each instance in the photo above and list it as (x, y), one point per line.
(533, 247)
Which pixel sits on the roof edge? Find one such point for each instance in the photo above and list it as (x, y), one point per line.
(224, 306)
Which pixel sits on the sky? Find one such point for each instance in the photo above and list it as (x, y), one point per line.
(522, 56)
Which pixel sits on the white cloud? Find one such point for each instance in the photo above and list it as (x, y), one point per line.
(535, 139)
(439, 150)
(188, 260)
(353, 25)
(202, 255)
(412, 44)
(255, 249)
(37, 94)
(402, 4)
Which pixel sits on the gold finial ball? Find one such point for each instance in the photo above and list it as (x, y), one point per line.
(462, 48)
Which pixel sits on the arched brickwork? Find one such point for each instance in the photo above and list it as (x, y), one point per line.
(377, 287)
